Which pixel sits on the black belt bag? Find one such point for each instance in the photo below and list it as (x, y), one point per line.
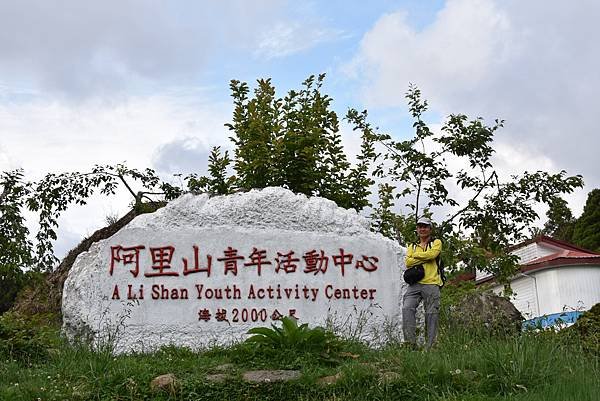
(414, 274)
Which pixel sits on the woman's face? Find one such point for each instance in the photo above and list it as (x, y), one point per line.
(423, 230)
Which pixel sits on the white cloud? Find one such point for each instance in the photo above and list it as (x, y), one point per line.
(182, 156)
(456, 51)
(287, 38)
(82, 48)
(43, 136)
(49, 135)
(531, 63)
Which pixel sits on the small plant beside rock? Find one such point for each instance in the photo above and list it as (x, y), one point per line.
(294, 337)
(587, 329)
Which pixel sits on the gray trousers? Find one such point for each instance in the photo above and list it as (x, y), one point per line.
(430, 294)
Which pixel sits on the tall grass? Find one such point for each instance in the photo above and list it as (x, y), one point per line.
(463, 366)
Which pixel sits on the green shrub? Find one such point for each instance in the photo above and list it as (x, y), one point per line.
(12, 280)
(26, 340)
(294, 337)
(587, 328)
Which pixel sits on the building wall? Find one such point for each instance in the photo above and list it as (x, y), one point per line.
(579, 287)
(526, 254)
(559, 289)
(524, 296)
(548, 287)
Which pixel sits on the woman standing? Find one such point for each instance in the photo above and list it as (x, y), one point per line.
(427, 289)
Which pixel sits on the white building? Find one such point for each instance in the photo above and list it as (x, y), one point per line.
(557, 280)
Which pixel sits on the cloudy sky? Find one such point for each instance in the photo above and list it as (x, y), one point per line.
(146, 82)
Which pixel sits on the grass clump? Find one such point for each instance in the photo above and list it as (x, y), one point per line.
(27, 340)
(586, 331)
(463, 366)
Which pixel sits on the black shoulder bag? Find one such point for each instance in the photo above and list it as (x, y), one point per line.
(414, 274)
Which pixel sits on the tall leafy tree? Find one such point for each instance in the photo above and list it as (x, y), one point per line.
(383, 218)
(560, 223)
(16, 249)
(587, 228)
(217, 182)
(294, 142)
(495, 214)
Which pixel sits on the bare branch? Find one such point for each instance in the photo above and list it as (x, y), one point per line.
(137, 200)
(464, 209)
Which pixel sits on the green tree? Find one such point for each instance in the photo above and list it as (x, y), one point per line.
(495, 215)
(216, 182)
(560, 223)
(383, 219)
(587, 228)
(51, 196)
(294, 142)
(15, 247)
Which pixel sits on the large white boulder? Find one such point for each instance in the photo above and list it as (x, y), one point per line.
(202, 271)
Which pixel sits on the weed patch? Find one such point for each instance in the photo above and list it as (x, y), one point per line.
(532, 366)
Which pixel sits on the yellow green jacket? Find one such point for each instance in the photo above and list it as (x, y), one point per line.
(416, 255)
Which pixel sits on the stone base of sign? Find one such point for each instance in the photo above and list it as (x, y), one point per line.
(202, 271)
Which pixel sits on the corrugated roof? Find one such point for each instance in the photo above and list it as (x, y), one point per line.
(569, 255)
(564, 254)
(540, 239)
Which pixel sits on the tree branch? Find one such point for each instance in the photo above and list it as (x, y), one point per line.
(4, 194)
(464, 209)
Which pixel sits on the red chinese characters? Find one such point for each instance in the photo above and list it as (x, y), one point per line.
(230, 260)
(286, 262)
(367, 263)
(242, 315)
(204, 314)
(221, 315)
(314, 261)
(197, 268)
(342, 259)
(257, 258)
(127, 255)
(161, 262)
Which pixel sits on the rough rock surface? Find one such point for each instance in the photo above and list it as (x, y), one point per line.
(489, 312)
(268, 376)
(329, 380)
(218, 377)
(270, 208)
(225, 367)
(103, 301)
(164, 382)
